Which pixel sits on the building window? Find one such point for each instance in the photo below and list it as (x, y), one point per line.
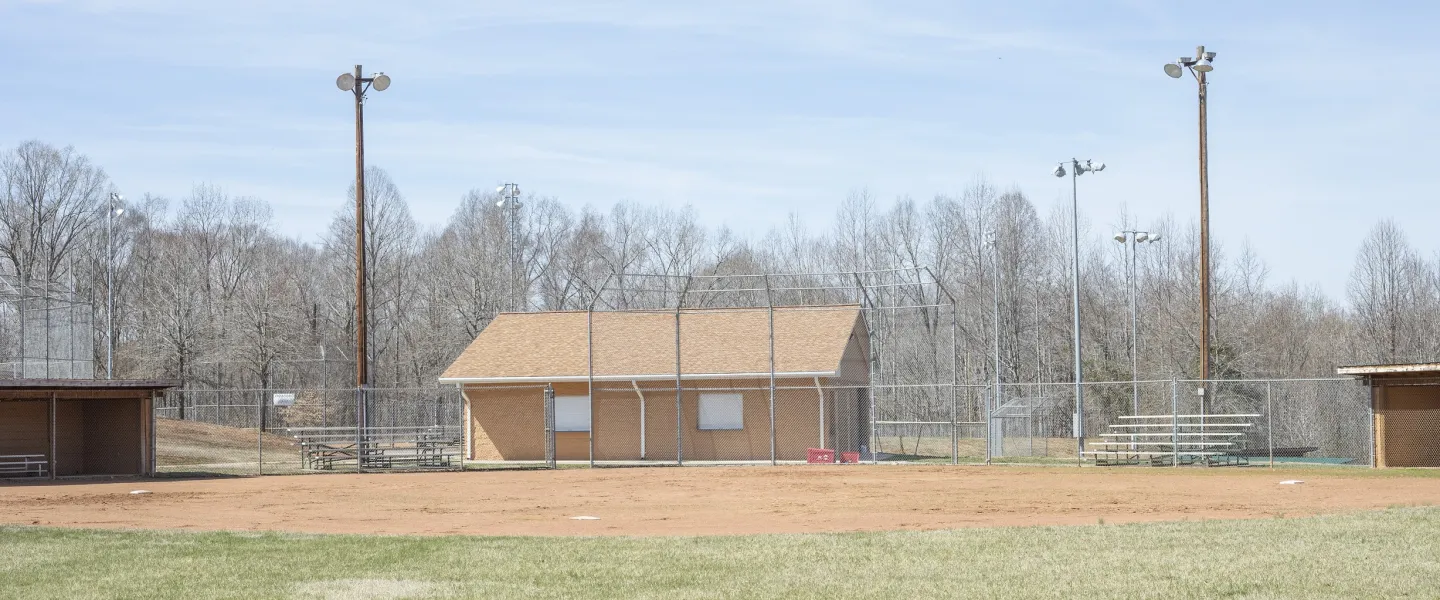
(722, 411)
(572, 413)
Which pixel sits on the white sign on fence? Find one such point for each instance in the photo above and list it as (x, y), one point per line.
(283, 399)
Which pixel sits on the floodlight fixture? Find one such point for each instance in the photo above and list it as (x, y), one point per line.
(1173, 70)
(1060, 170)
(1204, 65)
(1142, 236)
(346, 82)
(381, 82)
(1120, 237)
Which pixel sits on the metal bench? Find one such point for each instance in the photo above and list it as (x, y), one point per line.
(325, 448)
(1161, 440)
(23, 465)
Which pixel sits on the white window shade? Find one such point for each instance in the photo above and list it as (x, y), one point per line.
(572, 413)
(722, 411)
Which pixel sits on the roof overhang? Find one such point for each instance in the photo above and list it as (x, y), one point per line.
(649, 377)
(88, 389)
(1432, 369)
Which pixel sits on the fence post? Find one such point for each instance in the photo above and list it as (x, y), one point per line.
(1370, 425)
(260, 436)
(874, 428)
(1079, 422)
(680, 390)
(770, 311)
(260, 431)
(1174, 423)
(1270, 423)
(989, 428)
(549, 426)
(154, 433)
(954, 425)
(359, 426)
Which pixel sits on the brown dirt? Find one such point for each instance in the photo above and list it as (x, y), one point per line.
(705, 500)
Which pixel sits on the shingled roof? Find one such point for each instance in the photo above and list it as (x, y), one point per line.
(714, 343)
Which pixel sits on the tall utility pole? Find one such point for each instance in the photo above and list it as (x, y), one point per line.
(1199, 66)
(358, 84)
(1076, 170)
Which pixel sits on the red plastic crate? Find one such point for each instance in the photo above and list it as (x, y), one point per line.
(819, 455)
(850, 458)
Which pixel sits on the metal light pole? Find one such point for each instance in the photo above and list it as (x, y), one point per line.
(1039, 338)
(510, 204)
(1076, 170)
(1199, 66)
(996, 436)
(111, 211)
(358, 84)
(1130, 241)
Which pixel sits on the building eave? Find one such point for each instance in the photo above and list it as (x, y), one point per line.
(646, 377)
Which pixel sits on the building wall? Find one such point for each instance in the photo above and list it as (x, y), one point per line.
(112, 437)
(1407, 425)
(852, 393)
(69, 438)
(25, 427)
(507, 422)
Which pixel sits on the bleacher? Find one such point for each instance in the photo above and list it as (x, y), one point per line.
(378, 448)
(1165, 440)
(23, 465)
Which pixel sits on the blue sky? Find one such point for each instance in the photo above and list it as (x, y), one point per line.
(1321, 120)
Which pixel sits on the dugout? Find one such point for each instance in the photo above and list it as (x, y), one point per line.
(1405, 399)
(77, 427)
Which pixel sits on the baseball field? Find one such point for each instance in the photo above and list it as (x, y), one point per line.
(731, 532)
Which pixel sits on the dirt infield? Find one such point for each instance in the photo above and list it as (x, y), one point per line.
(704, 500)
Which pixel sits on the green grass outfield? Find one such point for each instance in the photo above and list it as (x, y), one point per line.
(1389, 553)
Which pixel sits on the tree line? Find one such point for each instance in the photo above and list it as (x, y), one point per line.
(207, 292)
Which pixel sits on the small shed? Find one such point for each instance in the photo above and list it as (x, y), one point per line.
(77, 427)
(621, 393)
(1405, 399)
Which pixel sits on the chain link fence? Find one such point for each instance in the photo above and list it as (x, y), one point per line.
(1309, 421)
(263, 432)
(252, 432)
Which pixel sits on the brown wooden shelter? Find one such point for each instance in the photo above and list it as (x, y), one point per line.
(1405, 399)
(77, 427)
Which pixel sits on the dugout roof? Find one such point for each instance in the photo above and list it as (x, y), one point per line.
(97, 389)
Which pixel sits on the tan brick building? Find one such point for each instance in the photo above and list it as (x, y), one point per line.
(614, 375)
